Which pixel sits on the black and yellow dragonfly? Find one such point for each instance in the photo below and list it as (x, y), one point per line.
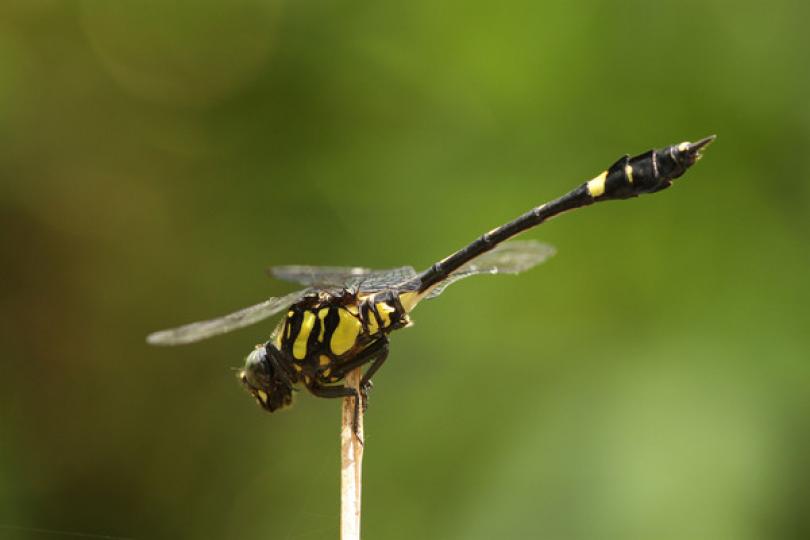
(342, 318)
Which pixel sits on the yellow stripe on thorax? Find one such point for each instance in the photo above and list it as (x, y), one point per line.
(300, 345)
(345, 335)
(373, 327)
(384, 309)
(290, 315)
(322, 313)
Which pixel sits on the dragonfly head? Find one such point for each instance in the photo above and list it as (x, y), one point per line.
(265, 381)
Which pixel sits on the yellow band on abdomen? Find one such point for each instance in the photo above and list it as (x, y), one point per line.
(596, 187)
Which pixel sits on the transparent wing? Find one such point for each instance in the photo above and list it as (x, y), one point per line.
(197, 331)
(343, 276)
(318, 276)
(379, 280)
(507, 258)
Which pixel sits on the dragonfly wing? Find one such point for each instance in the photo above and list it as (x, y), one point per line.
(343, 276)
(379, 280)
(197, 331)
(319, 276)
(507, 258)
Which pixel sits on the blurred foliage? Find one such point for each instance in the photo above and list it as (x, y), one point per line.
(649, 382)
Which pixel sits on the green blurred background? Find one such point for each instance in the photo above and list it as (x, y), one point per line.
(651, 381)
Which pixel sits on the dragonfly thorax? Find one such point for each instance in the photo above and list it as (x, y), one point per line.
(327, 329)
(318, 341)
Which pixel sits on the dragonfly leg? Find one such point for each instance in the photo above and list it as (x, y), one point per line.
(365, 382)
(363, 357)
(376, 353)
(339, 392)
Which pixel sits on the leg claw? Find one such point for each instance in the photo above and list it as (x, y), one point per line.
(364, 389)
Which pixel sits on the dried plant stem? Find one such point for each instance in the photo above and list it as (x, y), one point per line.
(351, 465)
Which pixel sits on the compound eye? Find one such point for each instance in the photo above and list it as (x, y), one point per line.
(255, 359)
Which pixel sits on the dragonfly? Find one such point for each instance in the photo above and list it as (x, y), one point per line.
(342, 317)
